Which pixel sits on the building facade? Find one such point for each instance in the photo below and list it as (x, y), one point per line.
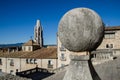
(30, 46)
(62, 53)
(109, 49)
(21, 61)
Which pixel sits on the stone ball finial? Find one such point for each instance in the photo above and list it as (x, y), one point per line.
(81, 29)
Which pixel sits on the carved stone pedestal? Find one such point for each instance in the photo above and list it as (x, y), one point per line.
(81, 68)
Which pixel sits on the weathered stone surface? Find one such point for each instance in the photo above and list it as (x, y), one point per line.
(81, 29)
(80, 58)
(107, 71)
(81, 68)
(76, 69)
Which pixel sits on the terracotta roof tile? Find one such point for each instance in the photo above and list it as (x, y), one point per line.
(30, 43)
(43, 53)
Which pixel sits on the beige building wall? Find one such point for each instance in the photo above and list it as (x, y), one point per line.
(63, 54)
(9, 67)
(48, 63)
(27, 48)
(115, 40)
(20, 64)
(3, 64)
(111, 41)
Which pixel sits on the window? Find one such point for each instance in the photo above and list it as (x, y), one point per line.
(11, 71)
(24, 48)
(107, 46)
(62, 65)
(50, 64)
(62, 57)
(109, 35)
(31, 61)
(11, 62)
(29, 48)
(112, 36)
(0, 61)
(62, 48)
(27, 61)
(35, 61)
(111, 45)
(0, 70)
(106, 36)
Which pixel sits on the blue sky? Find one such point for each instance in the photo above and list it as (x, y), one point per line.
(18, 17)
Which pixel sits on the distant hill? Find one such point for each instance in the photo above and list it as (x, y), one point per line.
(11, 45)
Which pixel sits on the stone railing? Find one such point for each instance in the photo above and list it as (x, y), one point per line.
(60, 69)
(30, 71)
(50, 66)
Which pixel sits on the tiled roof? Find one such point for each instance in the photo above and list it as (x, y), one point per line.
(30, 43)
(43, 53)
(112, 28)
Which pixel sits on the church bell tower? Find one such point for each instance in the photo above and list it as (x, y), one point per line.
(38, 33)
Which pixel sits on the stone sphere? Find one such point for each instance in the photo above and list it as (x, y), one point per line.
(81, 29)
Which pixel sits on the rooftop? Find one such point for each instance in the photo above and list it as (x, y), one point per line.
(30, 43)
(109, 70)
(43, 53)
(110, 28)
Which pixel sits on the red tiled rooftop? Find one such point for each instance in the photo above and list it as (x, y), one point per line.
(43, 53)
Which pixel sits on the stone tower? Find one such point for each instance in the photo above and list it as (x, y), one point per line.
(38, 33)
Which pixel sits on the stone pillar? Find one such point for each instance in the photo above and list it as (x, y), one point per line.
(80, 68)
(77, 67)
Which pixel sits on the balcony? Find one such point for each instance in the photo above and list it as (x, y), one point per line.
(50, 66)
(62, 49)
(62, 58)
